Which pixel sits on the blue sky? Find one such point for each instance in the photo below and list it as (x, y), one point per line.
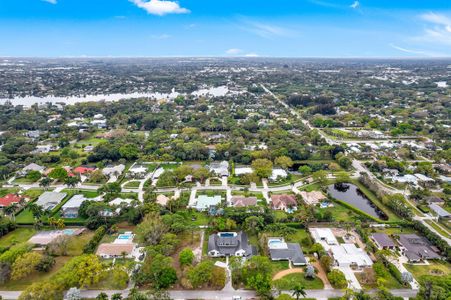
(282, 28)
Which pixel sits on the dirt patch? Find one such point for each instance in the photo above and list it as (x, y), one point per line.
(287, 272)
(321, 274)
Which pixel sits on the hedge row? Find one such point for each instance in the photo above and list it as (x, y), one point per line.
(91, 246)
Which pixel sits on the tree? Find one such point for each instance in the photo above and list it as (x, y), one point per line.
(320, 176)
(157, 271)
(25, 264)
(58, 173)
(129, 152)
(97, 177)
(253, 223)
(345, 162)
(201, 274)
(102, 296)
(284, 162)
(186, 257)
(337, 279)
(110, 189)
(342, 177)
(310, 272)
(151, 229)
(262, 167)
(36, 210)
(201, 174)
(116, 296)
(45, 182)
(46, 264)
(72, 181)
(43, 290)
(299, 291)
(34, 176)
(305, 170)
(11, 210)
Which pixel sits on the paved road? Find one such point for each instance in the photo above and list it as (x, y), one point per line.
(215, 295)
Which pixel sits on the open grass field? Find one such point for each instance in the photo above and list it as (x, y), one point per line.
(19, 235)
(290, 281)
(6, 191)
(435, 268)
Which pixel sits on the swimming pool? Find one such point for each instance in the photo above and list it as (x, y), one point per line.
(69, 231)
(125, 236)
(227, 234)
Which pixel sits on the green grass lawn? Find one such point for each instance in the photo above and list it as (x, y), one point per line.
(6, 191)
(33, 193)
(17, 236)
(76, 243)
(25, 217)
(436, 268)
(440, 229)
(278, 266)
(199, 218)
(132, 184)
(290, 281)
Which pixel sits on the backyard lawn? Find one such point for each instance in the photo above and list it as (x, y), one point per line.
(290, 281)
(17, 236)
(438, 268)
(132, 184)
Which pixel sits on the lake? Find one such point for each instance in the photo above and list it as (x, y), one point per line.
(352, 195)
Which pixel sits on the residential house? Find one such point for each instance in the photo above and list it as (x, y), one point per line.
(82, 170)
(434, 199)
(240, 201)
(9, 199)
(204, 202)
(220, 169)
(417, 248)
(278, 174)
(383, 241)
(348, 255)
(138, 171)
(324, 236)
(284, 202)
(32, 167)
(242, 170)
(48, 200)
(280, 250)
(122, 246)
(439, 211)
(70, 208)
(230, 244)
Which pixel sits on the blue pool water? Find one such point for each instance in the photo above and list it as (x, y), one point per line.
(124, 237)
(69, 231)
(226, 234)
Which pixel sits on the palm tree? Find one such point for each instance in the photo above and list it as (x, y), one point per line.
(298, 291)
(10, 210)
(36, 210)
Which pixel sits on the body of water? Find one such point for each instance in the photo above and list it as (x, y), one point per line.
(352, 195)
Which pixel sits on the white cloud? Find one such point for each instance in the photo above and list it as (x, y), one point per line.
(234, 51)
(267, 31)
(355, 5)
(440, 30)
(163, 36)
(51, 1)
(417, 52)
(160, 7)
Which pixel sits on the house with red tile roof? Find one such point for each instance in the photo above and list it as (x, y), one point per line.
(9, 199)
(83, 170)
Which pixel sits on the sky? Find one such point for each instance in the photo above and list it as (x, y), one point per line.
(248, 28)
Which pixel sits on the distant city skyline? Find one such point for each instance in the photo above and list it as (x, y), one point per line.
(225, 28)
